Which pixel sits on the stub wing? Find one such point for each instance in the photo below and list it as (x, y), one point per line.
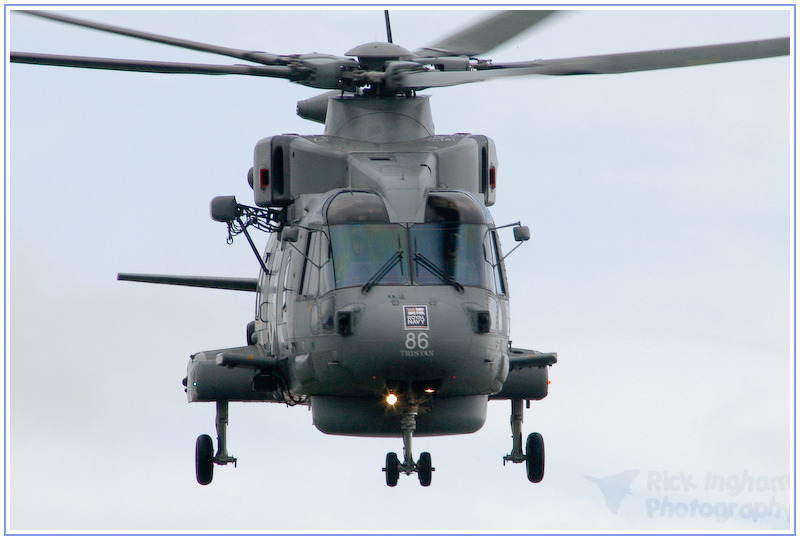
(235, 374)
(527, 374)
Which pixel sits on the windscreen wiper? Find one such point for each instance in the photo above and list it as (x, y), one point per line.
(436, 271)
(382, 271)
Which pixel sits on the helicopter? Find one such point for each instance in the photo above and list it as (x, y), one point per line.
(421, 201)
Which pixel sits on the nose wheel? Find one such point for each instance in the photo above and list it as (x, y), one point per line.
(424, 467)
(392, 469)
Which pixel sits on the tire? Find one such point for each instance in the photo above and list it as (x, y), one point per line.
(204, 460)
(392, 469)
(534, 457)
(424, 469)
(251, 329)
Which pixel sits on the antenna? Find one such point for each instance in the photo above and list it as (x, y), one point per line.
(388, 26)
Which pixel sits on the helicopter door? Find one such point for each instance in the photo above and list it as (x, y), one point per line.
(283, 304)
(317, 281)
(291, 268)
(269, 298)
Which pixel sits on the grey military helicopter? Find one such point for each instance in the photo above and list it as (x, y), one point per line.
(382, 299)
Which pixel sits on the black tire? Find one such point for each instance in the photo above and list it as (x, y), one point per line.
(392, 469)
(424, 469)
(534, 457)
(204, 460)
(251, 329)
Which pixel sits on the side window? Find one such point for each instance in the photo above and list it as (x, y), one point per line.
(317, 269)
(325, 264)
(498, 265)
(494, 264)
(274, 266)
(287, 281)
(265, 311)
(310, 286)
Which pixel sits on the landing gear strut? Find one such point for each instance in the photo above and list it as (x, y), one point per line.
(534, 446)
(423, 467)
(204, 456)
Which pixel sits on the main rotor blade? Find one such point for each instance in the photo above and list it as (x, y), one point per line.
(486, 35)
(607, 64)
(149, 66)
(658, 59)
(252, 56)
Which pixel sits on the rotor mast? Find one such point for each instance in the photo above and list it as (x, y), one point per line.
(378, 119)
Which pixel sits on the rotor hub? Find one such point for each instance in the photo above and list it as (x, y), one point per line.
(374, 55)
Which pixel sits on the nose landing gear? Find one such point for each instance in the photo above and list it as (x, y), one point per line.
(534, 446)
(423, 467)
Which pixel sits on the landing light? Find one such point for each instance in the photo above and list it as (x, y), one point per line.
(430, 390)
(391, 398)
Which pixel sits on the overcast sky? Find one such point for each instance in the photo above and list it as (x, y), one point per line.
(660, 206)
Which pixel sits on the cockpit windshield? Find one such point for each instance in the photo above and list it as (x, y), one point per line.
(443, 251)
(454, 246)
(361, 251)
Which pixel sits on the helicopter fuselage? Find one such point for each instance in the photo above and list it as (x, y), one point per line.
(387, 277)
(393, 282)
(382, 300)
(361, 316)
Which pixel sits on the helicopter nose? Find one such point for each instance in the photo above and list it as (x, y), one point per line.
(423, 340)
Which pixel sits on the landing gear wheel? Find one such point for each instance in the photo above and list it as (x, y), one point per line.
(204, 460)
(392, 469)
(534, 457)
(424, 469)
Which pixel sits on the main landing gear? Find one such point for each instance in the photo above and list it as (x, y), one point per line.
(423, 467)
(204, 457)
(534, 446)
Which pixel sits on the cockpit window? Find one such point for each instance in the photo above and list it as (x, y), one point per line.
(371, 253)
(453, 207)
(357, 207)
(454, 246)
(449, 245)
(449, 252)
